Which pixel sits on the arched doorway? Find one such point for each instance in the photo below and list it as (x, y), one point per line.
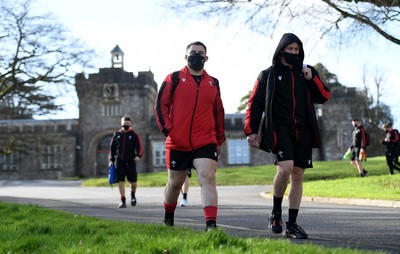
(102, 153)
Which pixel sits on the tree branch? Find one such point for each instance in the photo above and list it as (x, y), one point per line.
(363, 20)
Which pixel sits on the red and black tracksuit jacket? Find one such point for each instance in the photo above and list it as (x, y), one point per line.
(284, 97)
(193, 115)
(394, 140)
(359, 139)
(125, 146)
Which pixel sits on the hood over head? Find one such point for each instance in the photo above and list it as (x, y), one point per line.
(286, 39)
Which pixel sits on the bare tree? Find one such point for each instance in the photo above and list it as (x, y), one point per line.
(334, 17)
(374, 112)
(378, 113)
(38, 57)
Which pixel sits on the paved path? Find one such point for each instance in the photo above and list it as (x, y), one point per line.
(242, 212)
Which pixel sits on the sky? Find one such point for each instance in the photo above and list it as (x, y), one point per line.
(155, 39)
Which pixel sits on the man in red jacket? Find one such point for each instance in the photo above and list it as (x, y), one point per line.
(190, 113)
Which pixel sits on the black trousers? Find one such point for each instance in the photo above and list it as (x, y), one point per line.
(392, 161)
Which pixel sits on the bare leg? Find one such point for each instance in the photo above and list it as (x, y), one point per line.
(174, 185)
(133, 187)
(283, 171)
(296, 187)
(185, 186)
(184, 191)
(206, 169)
(121, 187)
(358, 166)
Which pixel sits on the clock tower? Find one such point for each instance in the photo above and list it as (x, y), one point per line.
(105, 97)
(117, 58)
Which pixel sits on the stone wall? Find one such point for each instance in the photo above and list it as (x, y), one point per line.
(30, 139)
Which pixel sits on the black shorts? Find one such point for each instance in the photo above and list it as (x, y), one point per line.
(293, 144)
(355, 154)
(183, 160)
(126, 168)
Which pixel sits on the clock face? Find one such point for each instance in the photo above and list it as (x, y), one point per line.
(110, 90)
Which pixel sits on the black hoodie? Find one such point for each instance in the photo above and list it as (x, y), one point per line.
(290, 87)
(285, 97)
(287, 39)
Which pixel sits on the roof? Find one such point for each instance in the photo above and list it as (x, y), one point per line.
(117, 50)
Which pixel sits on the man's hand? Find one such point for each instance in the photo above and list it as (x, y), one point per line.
(253, 140)
(307, 72)
(137, 159)
(363, 155)
(219, 149)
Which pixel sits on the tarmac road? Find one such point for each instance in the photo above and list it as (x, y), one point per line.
(242, 211)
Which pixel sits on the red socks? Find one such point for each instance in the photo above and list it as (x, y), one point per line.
(169, 208)
(210, 213)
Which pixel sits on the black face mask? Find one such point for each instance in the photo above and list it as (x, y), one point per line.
(290, 58)
(126, 127)
(196, 61)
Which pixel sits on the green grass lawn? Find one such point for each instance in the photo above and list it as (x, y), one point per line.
(30, 229)
(327, 179)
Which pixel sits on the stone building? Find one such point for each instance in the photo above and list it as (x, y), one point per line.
(53, 149)
(42, 149)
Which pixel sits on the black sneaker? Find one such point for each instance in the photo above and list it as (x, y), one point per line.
(133, 202)
(295, 231)
(122, 205)
(168, 222)
(275, 223)
(210, 226)
(365, 172)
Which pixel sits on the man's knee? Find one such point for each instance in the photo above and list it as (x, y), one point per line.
(284, 169)
(206, 177)
(175, 182)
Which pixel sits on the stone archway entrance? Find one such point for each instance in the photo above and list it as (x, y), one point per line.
(102, 152)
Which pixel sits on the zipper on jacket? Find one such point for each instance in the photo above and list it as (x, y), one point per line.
(294, 101)
(194, 111)
(123, 146)
(274, 139)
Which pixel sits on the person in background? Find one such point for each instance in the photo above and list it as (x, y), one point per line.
(281, 106)
(125, 151)
(184, 191)
(358, 145)
(191, 115)
(391, 142)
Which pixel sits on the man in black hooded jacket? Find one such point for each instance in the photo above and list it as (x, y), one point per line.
(281, 119)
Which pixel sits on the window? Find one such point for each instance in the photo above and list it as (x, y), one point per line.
(51, 157)
(8, 161)
(111, 110)
(238, 151)
(159, 153)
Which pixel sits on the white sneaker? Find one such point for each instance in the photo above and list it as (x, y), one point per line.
(184, 202)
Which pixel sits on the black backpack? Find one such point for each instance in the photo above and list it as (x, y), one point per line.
(367, 139)
(175, 81)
